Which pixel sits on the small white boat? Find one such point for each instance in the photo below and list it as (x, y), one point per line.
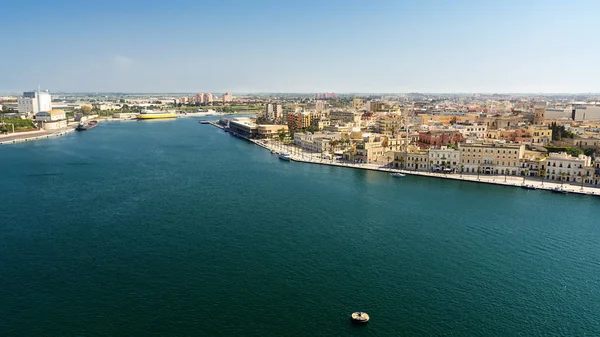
(285, 156)
(359, 317)
(397, 174)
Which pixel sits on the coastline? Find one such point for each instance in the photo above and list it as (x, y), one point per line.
(35, 135)
(302, 156)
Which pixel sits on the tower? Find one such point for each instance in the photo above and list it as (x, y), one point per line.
(539, 113)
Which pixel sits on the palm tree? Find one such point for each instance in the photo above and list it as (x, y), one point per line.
(389, 164)
(543, 175)
(525, 175)
(462, 168)
(506, 171)
(562, 176)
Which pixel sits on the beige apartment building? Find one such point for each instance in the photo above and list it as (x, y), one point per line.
(491, 158)
(377, 148)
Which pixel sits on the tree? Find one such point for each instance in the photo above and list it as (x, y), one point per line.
(543, 175)
(562, 176)
(525, 175)
(86, 109)
(281, 134)
(506, 171)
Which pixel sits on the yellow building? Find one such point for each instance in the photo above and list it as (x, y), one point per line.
(491, 158)
(540, 134)
(377, 148)
(270, 131)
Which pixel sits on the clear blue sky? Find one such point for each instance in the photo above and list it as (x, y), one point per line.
(301, 46)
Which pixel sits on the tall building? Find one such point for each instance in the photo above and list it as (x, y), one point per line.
(319, 106)
(356, 103)
(274, 112)
(199, 98)
(208, 98)
(227, 97)
(539, 113)
(33, 102)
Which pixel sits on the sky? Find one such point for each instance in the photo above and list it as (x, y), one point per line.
(369, 46)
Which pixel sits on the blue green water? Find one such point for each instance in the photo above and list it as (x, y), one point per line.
(176, 228)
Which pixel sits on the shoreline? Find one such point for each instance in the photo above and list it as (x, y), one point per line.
(508, 181)
(31, 136)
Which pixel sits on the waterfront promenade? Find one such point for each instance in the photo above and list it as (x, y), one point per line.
(300, 155)
(13, 138)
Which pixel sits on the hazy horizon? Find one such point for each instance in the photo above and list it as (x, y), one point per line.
(264, 46)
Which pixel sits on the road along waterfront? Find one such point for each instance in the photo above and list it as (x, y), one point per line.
(300, 155)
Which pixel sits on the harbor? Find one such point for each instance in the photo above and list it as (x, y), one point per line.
(299, 155)
(223, 228)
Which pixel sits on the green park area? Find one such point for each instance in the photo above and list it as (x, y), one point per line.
(16, 124)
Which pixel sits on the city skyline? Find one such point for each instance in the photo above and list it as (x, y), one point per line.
(302, 47)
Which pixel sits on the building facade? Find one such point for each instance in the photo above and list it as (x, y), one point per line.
(444, 158)
(564, 167)
(491, 158)
(33, 102)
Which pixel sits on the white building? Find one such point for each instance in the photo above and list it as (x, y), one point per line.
(316, 142)
(33, 102)
(474, 130)
(444, 157)
(562, 166)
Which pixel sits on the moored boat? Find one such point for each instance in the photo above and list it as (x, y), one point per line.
(285, 156)
(83, 126)
(397, 174)
(151, 114)
(559, 190)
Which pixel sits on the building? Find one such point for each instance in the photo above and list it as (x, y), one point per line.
(446, 119)
(270, 131)
(585, 142)
(475, 130)
(227, 97)
(199, 98)
(491, 158)
(341, 116)
(319, 106)
(375, 106)
(326, 95)
(564, 167)
(33, 102)
(539, 114)
(540, 134)
(438, 138)
(533, 165)
(243, 127)
(444, 158)
(377, 148)
(51, 120)
(274, 112)
(300, 120)
(208, 98)
(391, 123)
(413, 159)
(356, 103)
(316, 142)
